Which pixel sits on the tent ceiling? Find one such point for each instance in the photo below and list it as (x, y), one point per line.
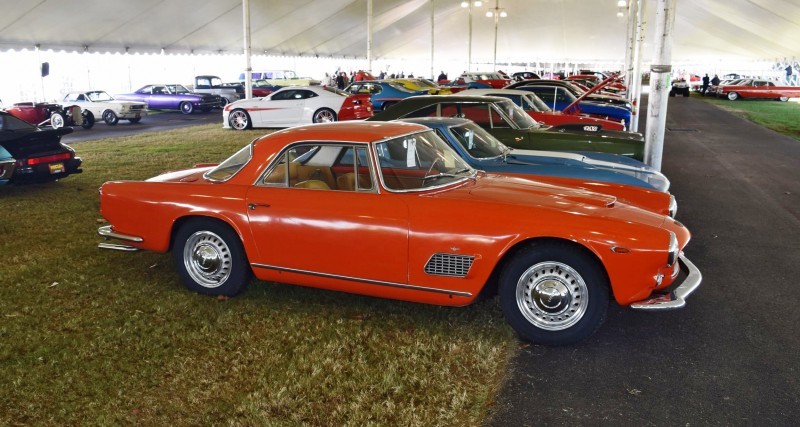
(535, 30)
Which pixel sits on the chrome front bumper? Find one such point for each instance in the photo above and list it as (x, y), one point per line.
(676, 298)
(108, 233)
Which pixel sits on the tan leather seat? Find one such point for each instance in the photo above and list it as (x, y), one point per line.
(320, 173)
(313, 184)
(347, 182)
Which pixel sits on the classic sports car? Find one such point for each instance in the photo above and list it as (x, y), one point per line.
(525, 75)
(540, 112)
(513, 126)
(295, 105)
(101, 104)
(758, 89)
(495, 80)
(560, 99)
(388, 210)
(422, 85)
(483, 151)
(31, 154)
(612, 86)
(172, 97)
(578, 92)
(383, 93)
(45, 113)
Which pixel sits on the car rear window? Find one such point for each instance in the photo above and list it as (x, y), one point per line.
(227, 169)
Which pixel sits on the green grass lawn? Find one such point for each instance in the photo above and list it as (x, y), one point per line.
(782, 117)
(94, 337)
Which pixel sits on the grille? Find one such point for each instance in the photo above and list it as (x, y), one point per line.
(449, 265)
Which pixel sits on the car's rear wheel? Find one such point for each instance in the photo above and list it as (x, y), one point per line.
(554, 293)
(784, 98)
(57, 120)
(239, 120)
(88, 119)
(324, 115)
(210, 258)
(733, 96)
(186, 107)
(110, 117)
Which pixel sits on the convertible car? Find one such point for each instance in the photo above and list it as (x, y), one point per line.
(540, 112)
(101, 104)
(53, 115)
(422, 85)
(296, 105)
(31, 154)
(513, 126)
(388, 210)
(172, 97)
(758, 89)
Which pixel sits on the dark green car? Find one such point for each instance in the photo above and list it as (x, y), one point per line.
(514, 127)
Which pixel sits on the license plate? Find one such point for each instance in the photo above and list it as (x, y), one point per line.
(56, 167)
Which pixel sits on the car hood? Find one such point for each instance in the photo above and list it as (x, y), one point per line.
(525, 193)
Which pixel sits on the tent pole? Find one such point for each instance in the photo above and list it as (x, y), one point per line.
(369, 35)
(659, 84)
(433, 13)
(636, 73)
(248, 71)
(629, 40)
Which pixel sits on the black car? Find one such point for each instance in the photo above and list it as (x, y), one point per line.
(31, 154)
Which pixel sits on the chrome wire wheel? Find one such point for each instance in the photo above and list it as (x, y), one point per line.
(552, 296)
(207, 259)
(239, 120)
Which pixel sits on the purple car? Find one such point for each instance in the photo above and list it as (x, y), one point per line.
(172, 97)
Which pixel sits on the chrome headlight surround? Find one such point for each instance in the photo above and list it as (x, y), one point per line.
(672, 256)
(673, 206)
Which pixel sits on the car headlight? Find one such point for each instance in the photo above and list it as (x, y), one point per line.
(673, 206)
(672, 256)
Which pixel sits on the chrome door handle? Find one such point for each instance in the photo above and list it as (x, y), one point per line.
(252, 206)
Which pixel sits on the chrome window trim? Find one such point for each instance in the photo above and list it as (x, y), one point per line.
(368, 281)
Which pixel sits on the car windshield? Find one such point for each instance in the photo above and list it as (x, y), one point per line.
(419, 161)
(177, 89)
(517, 115)
(99, 96)
(478, 142)
(336, 91)
(527, 101)
(227, 169)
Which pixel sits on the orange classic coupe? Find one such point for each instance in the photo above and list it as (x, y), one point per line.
(389, 210)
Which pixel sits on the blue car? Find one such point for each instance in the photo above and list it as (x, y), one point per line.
(483, 151)
(558, 98)
(384, 93)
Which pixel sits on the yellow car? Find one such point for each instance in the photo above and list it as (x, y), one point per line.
(422, 84)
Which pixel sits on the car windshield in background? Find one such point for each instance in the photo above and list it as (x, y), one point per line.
(418, 162)
(11, 123)
(478, 143)
(227, 169)
(336, 91)
(517, 115)
(99, 96)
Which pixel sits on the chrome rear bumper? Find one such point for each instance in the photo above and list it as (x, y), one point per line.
(676, 298)
(108, 233)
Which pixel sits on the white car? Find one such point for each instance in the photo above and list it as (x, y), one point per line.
(296, 105)
(103, 105)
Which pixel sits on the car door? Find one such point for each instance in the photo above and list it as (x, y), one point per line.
(284, 108)
(307, 219)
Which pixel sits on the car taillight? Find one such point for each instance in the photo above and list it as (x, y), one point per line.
(48, 159)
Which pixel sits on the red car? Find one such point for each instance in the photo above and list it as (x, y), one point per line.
(387, 209)
(758, 89)
(495, 80)
(44, 113)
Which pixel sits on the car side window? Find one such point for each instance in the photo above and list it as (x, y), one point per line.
(284, 95)
(322, 167)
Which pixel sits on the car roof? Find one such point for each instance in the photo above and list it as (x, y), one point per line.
(348, 131)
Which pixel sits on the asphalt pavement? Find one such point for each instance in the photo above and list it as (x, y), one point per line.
(156, 121)
(732, 355)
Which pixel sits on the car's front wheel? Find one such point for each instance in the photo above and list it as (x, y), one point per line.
(324, 115)
(784, 98)
(210, 258)
(110, 117)
(57, 120)
(239, 120)
(186, 107)
(733, 96)
(554, 293)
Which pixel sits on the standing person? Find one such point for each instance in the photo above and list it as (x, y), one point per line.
(706, 80)
(789, 75)
(340, 80)
(442, 76)
(715, 81)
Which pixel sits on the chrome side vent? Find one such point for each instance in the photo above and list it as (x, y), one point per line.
(449, 265)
